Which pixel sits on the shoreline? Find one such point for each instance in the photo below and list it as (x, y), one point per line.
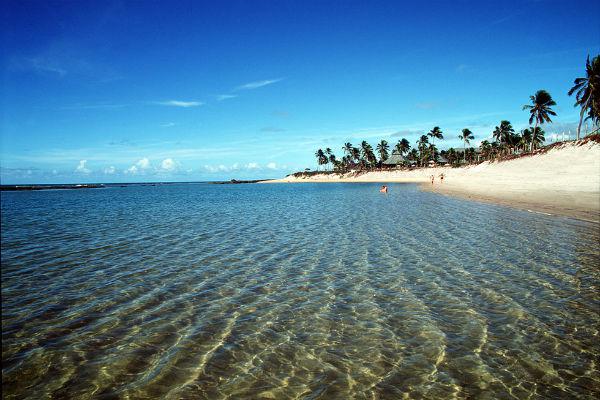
(564, 181)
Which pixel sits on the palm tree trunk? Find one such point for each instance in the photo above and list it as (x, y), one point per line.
(533, 135)
(465, 151)
(580, 121)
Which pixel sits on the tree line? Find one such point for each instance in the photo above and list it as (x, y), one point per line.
(506, 140)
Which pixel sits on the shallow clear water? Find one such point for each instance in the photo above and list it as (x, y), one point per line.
(294, 291)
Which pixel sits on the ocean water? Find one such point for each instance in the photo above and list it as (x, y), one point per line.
(309, 291)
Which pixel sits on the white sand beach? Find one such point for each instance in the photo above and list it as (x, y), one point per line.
(565, 180)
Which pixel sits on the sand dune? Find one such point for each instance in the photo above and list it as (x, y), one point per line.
(565, 180)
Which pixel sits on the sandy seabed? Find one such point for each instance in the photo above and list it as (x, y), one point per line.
(565, 181)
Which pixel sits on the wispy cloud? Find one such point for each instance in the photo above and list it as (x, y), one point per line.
(168, 125)
(81, 168)
(42, 65)
(248, 167)
(95, 106)
(407, 133)
(272, 129)
(280, 113)
(258, 84)
(180, 103)
(222, 97)
(426, 105)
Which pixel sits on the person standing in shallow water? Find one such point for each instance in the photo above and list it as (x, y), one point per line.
(432, 178)
(383, 189)
(442, 177)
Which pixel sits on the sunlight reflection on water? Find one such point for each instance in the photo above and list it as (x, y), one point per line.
(287, 291)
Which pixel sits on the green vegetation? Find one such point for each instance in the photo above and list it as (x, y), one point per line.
(507, 143)
(587, 93)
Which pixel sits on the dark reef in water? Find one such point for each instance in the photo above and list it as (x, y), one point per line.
(48, 187)
(235, 181)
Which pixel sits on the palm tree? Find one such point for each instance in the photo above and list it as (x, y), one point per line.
(347, 148)
(485, 148)
(525, 139)
(368, 157)
(534, 137)
(435, 133)
(413, 155)
(588, 92)
(451, 155)
(355, 154)
(328, 154)
(497, 134)
(466, 136)
(422, 146)
(503, 133)
(321, 158)
(402, 147)
(383, 150)
(506, 132)
(540, 108)
(433, 152)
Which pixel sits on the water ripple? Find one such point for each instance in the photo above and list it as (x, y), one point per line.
(294, 291)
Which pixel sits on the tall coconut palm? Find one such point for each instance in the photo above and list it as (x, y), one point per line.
(466, 136)
(435, 133)
(497, 134)
(507, 130)
(402, 147)
(347, 149)
(525, 139)
(334, 162)
(587, 92)
(534, 137)
(451, 156)
(321, 158)
(485, 148)
(328, 154)
(422, 146)
(413, 155)
(433, 152)
(356, 154)
(383, 150)
(368, 157)
(540, 108)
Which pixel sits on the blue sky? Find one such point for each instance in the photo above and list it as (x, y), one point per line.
(117, 91)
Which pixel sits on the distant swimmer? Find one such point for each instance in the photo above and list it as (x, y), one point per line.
(432, 177)
(442, 178)
(383, 189)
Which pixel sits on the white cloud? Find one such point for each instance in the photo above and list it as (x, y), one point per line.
(237, 167)
(168, 125)
(258, 84)
(110, 170)
(81, 168)
(168, 164)
(179, 103)
(143, 163)
(222, 97)
(132, 170)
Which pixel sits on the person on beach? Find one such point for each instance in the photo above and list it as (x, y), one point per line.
(442, 177)
(383, 189)
(432, 178)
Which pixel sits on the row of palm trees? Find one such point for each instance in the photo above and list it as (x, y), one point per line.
(506, 140)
